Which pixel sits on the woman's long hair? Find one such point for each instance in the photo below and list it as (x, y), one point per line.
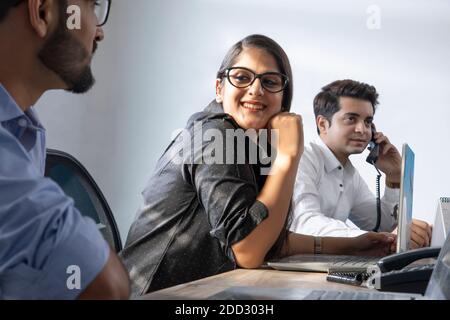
(282, 60)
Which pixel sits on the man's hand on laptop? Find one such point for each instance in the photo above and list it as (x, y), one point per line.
(420, 234)
(373, 244)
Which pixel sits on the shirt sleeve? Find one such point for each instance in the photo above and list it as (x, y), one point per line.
(227, 191)
(48, 250)
(308, 218)
(364, 209)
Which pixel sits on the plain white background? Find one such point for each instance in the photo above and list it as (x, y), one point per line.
(158, 62)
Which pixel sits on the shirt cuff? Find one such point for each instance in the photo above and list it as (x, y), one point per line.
(242, 227)
(391, 195)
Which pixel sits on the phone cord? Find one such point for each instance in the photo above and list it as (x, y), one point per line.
(377, 226)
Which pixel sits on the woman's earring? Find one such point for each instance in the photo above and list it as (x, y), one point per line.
(219, 99)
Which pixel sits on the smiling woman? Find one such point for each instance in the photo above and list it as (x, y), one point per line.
(202, 219)
(199, 219)
(254, 93)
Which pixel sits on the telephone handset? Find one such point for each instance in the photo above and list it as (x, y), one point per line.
(374, 149)
(398, 275)
(372, 159)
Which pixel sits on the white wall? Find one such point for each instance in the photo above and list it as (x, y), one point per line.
(158, 62)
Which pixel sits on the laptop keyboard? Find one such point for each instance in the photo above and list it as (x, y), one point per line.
(348, 295)
(334, 261)
(256, 293)
(353, 262)
(329, 259)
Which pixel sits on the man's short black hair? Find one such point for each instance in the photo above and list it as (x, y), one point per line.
(326, 103)
(5, 5)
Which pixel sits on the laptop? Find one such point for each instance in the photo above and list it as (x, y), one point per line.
(406, 199)
(438, 289)
(323, 262)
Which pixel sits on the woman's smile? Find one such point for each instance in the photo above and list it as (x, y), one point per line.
(254, 106)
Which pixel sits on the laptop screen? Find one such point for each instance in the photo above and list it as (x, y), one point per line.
(406, 199)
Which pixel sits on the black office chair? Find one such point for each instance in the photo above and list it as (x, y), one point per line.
(77, 183)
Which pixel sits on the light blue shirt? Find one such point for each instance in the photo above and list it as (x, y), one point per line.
(47, 249)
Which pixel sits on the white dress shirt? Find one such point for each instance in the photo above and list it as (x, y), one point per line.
(332, 200)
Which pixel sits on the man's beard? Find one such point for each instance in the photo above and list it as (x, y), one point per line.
(62, 54)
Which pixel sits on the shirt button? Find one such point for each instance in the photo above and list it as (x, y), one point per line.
(22, 122)
(341, 185)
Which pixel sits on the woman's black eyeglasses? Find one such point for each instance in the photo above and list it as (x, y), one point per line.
(241, 77)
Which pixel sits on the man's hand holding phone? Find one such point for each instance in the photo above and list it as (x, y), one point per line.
(389, 159)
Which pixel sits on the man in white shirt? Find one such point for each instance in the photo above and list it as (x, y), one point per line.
(330, 197)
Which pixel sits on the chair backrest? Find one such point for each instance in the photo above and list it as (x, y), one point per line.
(77, 183)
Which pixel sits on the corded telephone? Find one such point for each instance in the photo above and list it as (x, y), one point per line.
(398, 275)
(374, 149)
(372, 159)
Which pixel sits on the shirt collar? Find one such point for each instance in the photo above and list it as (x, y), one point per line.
(214, 107)
(330, 160)
(9, 108)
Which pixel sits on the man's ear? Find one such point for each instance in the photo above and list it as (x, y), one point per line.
(219, 97)
(323, 124)
(42, 14)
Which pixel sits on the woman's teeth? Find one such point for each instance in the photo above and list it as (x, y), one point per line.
(253, 106)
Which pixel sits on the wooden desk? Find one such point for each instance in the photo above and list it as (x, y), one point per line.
(263, 278)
